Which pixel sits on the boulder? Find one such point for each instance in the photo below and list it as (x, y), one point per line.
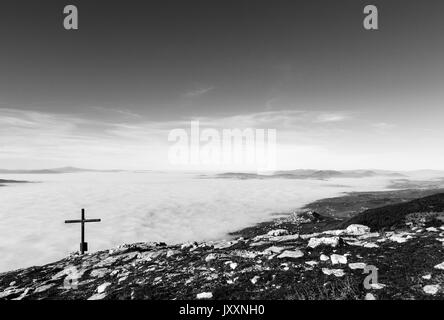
(357, 230)
(327, 241)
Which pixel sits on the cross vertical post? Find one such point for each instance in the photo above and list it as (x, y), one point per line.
(82, 239)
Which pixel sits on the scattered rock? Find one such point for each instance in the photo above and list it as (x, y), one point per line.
(357, 229)
(102, 287)
(309, 235)
(370, 245)
(335, 272)
(255, 279)
(338, 259)
(204, 295)
(431, 289)
(370, 296)
(334, 232)
(289, 237)
(99, 273)
(294, 254)
(171, 253)
(323, 257)
(377, 286)
(210, 257)
(97, 296)
(399, 238)
(274, 249)
(440, 266)
(356, 265)
(277, 232)
(331, 241)
(233, 265)
(44, 288)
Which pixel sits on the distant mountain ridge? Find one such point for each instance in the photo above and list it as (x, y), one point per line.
(311, 174)
(54, 171)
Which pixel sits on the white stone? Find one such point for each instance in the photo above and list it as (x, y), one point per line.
(338, 259)
(323, 257)
(432, 229)
(289, 237)
(291, 254)
(102, 287)
(171, 253)
(335, 272)
(440, 266)
(186, 245)
(97, 296)
(370, 245)
(224, 244)
(311, 263)
(44, 287)
(431, 289)
(357, 229)
(233, 265)
(369, 235)
(369, 296)
(356, 265)
(204, 295)
(277, 232)
(331, 241)
(255, 279)
(210, 257)
(427, 277)
(309, 235)
(399, 238)
(334, 232)
(99, 273)
(377, 286)
(274, 249)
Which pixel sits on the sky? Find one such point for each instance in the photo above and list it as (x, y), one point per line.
(108, 94)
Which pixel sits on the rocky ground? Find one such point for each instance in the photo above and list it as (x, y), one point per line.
(304, 256)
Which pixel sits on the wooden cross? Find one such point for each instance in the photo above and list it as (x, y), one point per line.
(83, 244)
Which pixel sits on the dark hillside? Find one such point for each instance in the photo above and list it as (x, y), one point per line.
(394, 215)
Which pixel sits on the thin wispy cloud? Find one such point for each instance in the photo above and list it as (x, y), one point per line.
(198, 92)
(332, 117)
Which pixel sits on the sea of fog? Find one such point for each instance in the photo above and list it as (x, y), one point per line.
(134, 207)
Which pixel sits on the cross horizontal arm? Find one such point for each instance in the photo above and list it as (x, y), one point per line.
(73, 221)
(80, 221)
